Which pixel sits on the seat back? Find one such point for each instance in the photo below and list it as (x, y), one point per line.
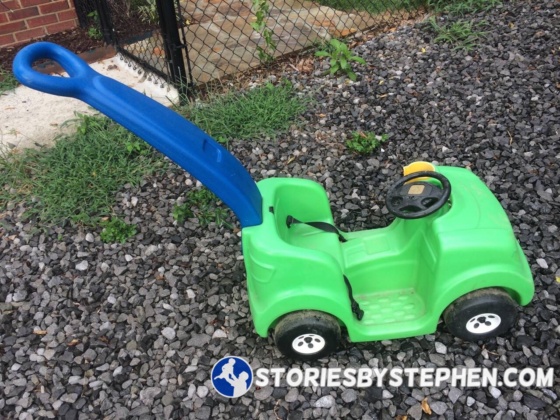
(307, 201)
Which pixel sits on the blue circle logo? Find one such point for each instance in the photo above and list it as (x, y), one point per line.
(232, 376)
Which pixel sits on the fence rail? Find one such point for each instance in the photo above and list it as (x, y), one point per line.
(192, 42)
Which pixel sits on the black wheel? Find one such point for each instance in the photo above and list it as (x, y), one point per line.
(481, 314)
(409, 199)
(307, 335)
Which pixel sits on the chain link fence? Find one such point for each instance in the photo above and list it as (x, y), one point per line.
(229, 36)
(196, 41)
(130, 25)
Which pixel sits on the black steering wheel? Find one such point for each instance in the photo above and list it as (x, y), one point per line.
(412, 200)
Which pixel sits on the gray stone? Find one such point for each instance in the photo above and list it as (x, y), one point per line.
(167, 399)
(386, 395)
(122, 412)
(82, 266)
(24, 402)
(439, 407)
(219, 333)
(542, 263)
(19, 382)
(325, 402)
(292, 395)
(349, 395)
(149, 394)
(495, 392)
(169, 333)
(263, 393)
(19, 296)
(69, 398)
(90, 355)
(440, 348)
(415, 412)
(119, 270)
(454, 394)
(198, 340)
(202, 391)
(139, 411)
(203, 413)
(437, 359)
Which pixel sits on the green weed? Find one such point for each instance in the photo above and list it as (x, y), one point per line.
(340, 57)
(261, 9)
(76, 179)
(148, 11)
(202, 204)
(93, 31)
(7, 81)
(461, 34)
(116, 230)
(365, 143)
(264, 111)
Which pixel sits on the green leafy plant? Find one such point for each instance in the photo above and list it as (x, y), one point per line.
(93, 31)
(263, 111)
(202, 204)
(461, 34)
(116, 230)
(76, 179)
(340, 57)
(7, 81)
(365, 143)
(148, 11)
(182, 212)
(136, 146)
(261, 9)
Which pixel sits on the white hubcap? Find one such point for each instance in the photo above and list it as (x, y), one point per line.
(308, 343)
(483, 323)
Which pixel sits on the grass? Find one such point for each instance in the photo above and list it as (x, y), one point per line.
(202, 204)
(461, 7)
(461, 34)
(372, 6)
(263, 111)
(7, 81)
(76, 180)
(116, 230)
(365, 143)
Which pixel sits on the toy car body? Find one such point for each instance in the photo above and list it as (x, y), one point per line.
(403, 276)
(451, 251)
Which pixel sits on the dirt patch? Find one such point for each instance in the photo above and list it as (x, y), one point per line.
(76, 40)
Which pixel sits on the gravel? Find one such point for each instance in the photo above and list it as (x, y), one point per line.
(94, 330)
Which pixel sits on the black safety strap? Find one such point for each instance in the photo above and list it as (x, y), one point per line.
(324, 226)
(327, 227)
(354, 305)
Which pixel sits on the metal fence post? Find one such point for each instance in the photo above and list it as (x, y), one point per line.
(104, 16)
(173, 45)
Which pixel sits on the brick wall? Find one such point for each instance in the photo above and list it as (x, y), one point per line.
(23, 20)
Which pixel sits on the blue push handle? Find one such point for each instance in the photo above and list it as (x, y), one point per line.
(171, 134)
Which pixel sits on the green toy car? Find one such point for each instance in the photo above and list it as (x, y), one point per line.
(450, 252)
